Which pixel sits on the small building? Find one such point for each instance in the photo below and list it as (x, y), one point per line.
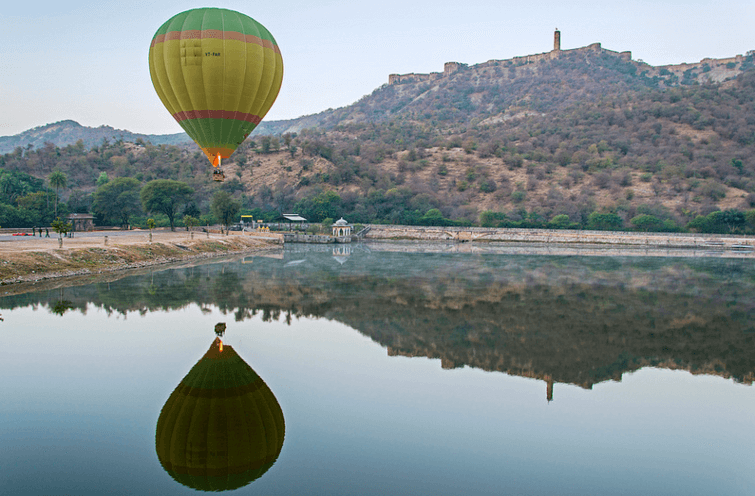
(292, 218)
(341, 228)
(81, 222)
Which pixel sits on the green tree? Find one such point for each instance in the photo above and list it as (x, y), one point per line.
(102, 179)
(118, 199)
(192, 210)
(719, 222)
(645, 222)
(190, 222)
(734, 219)
(61, 227)
(604, 222)
(150, 226)
(57, 180)
(489, 218)
(750, 218)
(37, 206)
(165, 196)
(321, 206)
(225, 208)
(434, 217)
(560, 221)
(265, 144)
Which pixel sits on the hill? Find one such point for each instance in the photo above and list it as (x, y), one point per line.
(68, 132)
(568, 138)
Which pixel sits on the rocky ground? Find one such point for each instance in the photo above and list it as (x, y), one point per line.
(27, 259)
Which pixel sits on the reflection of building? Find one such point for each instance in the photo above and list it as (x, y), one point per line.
(341, 253)
(81, 222)
(341, 228)
(221, 428)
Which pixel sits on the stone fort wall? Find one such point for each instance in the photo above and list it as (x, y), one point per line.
(451, 67)
(715, 70)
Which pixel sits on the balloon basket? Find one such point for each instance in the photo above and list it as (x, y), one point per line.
(217, 175)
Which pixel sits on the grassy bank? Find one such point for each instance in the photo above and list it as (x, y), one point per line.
(38, 264)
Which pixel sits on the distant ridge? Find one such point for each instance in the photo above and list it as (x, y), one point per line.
(68, 132)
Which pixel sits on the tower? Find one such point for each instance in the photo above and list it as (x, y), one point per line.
(557, 41)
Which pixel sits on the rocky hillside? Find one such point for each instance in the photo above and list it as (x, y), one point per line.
(580, 138)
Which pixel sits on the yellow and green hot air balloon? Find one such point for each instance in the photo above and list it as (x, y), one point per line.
(222, 427)
(217, 72)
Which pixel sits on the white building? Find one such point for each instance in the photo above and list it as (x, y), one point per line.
(341, 228)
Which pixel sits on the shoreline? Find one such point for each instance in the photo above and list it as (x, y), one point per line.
(35, 260)
(31, 260)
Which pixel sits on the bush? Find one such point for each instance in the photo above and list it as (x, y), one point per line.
(492, 219)
(487, 186)
(604, 222)
(718, 222)
(645, 222)
(560, 221)
(518, 196)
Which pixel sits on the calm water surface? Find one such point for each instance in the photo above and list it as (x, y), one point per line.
(394, 372)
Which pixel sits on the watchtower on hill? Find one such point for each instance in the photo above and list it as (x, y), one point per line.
(557, 41)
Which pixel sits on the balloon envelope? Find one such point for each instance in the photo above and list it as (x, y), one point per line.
(221, 428)
(217, 72)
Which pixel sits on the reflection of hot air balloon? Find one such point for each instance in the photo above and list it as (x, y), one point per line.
(222, 427)
(218, 72)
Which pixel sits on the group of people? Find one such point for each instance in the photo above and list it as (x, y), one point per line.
(34, 230)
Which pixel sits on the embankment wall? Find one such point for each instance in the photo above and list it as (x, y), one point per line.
(483, 234)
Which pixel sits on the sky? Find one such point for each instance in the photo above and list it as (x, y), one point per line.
(87, 60)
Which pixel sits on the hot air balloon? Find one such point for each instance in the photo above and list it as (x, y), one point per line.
(221, 428)
(217, 72)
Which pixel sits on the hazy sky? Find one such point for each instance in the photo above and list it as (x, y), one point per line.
(87, 60)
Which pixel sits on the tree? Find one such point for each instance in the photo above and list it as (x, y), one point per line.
(645, 222)
(57, 180)
(321, 206)
(434, 217)
(190, 222)
(150, 226)
(118, 199)
(750, 218)
(734, 219)
(560, 221)
(61, 227)
(165, 196)
(225, 208)
(604, 222)
(36, 204)
(102, 179)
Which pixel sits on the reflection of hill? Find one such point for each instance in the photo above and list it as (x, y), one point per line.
(222, 427)
(567, 319)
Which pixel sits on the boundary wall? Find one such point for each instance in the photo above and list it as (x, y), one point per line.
(485, 234)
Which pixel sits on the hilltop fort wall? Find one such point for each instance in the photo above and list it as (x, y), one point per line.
(714, 70)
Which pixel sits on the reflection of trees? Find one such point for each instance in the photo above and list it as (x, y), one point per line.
(61, 306)
(572, 319)
(226, 291)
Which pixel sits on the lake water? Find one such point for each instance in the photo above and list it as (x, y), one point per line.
(393, 371)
